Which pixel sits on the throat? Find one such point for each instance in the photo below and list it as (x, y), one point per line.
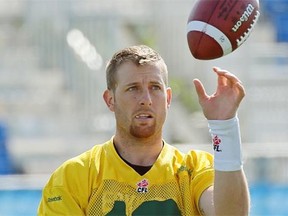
(141, 170)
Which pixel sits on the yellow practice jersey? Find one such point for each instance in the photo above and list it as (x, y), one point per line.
(99, 182)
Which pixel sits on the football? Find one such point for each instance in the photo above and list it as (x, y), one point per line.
(216, 28)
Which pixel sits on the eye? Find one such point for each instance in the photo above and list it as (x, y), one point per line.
(156, 87)
(132, 88)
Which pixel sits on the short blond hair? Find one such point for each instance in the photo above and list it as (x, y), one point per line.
(139, 55)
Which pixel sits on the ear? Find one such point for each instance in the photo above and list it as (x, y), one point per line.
(169, 96)
(108, 97)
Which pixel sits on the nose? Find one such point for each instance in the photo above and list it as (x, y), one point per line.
(145, 99)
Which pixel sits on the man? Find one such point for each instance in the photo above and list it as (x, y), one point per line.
(137, 172)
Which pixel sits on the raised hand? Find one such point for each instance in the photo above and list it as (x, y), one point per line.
(222, 104)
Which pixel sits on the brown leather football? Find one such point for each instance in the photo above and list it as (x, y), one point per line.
(218, 27)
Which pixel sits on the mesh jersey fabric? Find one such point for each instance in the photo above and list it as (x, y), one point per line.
(98, 182)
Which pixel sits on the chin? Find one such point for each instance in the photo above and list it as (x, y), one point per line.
(143, 133)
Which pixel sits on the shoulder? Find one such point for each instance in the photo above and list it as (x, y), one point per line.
(193, 162)
(72, 183)
(192, 157)
(199, 157)
(78, 168)
(200, 163)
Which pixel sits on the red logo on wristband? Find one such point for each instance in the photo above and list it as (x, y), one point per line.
(216, 143)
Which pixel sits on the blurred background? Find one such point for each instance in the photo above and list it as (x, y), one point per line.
(52, 75)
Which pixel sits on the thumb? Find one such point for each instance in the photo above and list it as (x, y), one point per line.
(200, 90)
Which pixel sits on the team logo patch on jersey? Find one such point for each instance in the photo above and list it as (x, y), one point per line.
(142, 186)
(216, 143)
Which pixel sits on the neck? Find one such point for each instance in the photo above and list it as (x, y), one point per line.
(142, 152)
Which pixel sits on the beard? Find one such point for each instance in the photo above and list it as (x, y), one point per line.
(142, 132)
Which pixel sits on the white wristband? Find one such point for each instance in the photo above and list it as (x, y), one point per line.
(226, 141)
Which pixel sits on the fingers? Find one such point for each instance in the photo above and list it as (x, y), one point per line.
(222, 81)
(225, 78)
(200, 89)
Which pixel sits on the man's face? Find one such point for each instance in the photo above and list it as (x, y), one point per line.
(140, 100)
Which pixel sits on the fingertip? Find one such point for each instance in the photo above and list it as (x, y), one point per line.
(196, 82)
(216, 69)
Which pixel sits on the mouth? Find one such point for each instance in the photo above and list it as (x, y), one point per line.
(143, 116)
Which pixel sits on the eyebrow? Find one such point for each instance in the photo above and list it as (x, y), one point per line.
(132, 84)
(152, 82)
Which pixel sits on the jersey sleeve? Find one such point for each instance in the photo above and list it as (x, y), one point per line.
(66, 192)
(202, 176)
(58, 201)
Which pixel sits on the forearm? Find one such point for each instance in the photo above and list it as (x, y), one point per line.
(231, 194)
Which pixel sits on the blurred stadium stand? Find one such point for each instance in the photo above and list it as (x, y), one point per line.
(52, 102)
(6, 166)
(277, 11)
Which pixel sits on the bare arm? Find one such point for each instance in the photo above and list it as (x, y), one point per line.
(229, 196)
